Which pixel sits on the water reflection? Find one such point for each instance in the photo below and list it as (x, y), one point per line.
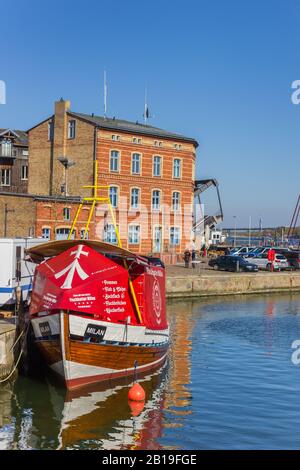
(38, 413)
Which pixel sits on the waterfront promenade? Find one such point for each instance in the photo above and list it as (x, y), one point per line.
(203, 282)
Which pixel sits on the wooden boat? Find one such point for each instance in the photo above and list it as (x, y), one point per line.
(98, 311)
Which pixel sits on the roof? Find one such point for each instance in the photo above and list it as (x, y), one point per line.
(132, 127)
(21, 137)
(49, 249)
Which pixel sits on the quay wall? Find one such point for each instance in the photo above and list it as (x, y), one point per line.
(229, 284)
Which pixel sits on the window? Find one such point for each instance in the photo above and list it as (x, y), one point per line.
(6, 148)
(134, 234)
(156, 199)
(174, 236)
(110, 235)
(67, 213)
(113, 195)
(114, 160)
(25, 153)
(46, 233)
(177, 146)
(135, 198)
(136, 163)
(5, 177)
(156, 165)
(136, 140)
(50, 130)
(24, 172)
(116, 138)
(71, 129)
(176, 201)
(86, 237)
(177, 168)
(63, 233)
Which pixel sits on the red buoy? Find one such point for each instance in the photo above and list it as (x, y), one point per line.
(136, 393)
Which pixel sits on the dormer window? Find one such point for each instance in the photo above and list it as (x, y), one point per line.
(158, 143)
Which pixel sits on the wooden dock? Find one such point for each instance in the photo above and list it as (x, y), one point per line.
(7, 339)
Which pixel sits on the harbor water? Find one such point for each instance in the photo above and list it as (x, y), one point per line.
(230, 383)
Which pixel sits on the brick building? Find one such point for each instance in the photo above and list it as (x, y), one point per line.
(149, 172)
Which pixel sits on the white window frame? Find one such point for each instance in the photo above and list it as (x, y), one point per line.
(134, 234)
(137, 205)
(114, 159)
(155, 207)
(136, 164)
(155, 166)
(67, 214)
(113, 203)
(175, 168)
(71, 129)
(48, 230)
(176, 206)
(172, 236)
(5, 177)
(6, 147)
(24, 178)
(110, 235)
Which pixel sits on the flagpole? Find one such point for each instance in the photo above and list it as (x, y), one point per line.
(105, 94)
(146, 107)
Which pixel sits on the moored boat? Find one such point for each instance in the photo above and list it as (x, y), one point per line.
(98, 311)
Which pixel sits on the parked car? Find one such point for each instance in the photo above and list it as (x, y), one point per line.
(241, 250)
(279, 263)
(293, 257)
(258, 251)
(232, 263)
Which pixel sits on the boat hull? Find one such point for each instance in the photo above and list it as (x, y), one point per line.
(80, 358)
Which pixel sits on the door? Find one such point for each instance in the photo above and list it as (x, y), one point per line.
(157, 240)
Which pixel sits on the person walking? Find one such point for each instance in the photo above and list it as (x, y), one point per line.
(187, 257)
(271, 258)
(193, 258)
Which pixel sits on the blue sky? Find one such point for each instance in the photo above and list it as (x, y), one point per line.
(218, 71)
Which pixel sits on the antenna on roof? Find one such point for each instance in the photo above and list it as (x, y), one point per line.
(146, 109)
(105, 94)
(146, 114)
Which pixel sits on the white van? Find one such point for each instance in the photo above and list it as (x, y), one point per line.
(14, 270)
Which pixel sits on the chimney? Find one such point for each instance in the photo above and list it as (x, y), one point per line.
(59, 142)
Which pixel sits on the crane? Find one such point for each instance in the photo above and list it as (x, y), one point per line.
(294, 220)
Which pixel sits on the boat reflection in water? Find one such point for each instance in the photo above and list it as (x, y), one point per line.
(39, 413)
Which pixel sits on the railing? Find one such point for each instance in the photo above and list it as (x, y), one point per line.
(12, 154)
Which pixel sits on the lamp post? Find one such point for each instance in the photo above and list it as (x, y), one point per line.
(66, 164)
(249, 230)
(234, 240)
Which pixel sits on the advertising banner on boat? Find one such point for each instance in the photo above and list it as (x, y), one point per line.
(154, 298)
(80, 279)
